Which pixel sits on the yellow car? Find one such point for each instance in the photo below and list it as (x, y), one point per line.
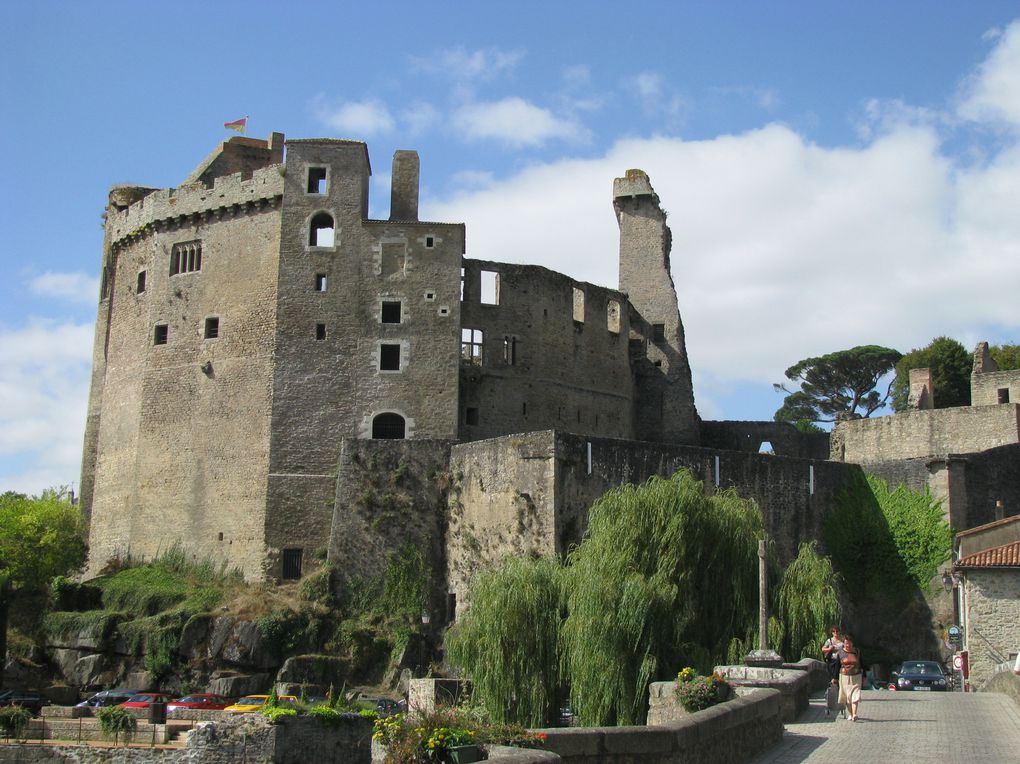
(255, 702)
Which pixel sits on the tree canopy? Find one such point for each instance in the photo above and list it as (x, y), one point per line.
(1007, 357)
(950, 365)
(837, 385)
(40, 538)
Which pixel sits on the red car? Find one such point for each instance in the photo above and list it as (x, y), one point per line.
(201, 701)
(145, 699)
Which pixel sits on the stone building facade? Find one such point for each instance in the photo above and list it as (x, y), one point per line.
(254, 319)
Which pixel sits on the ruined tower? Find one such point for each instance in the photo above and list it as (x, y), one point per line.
(664, 399)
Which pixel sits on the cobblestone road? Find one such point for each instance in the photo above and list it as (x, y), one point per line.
(950, 728)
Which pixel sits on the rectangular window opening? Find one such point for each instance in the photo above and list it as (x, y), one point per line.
(389, 357)
(212, 328)
(658, 332)
(161, 334)
(186, 257)
(141, 282)
(1003, 395)
(490, 287)
(292, 564)
(579, 305)
(316, 180)
(613, 316)
(471, 346)
(391, 312)
(320, 331)
(471, 416)
(509, 350)
(430, 242)
(320, 282)
(462, 285)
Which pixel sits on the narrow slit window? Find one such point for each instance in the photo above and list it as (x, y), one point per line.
(471, 346)
(316, 180)
(141, 282)
(389, 357)
(322, 231)
(490, 287)
(320, 282)
(391, 312)
(509, 350)
(160, 334)
(579, 305)
(212, 328)
(320, 331)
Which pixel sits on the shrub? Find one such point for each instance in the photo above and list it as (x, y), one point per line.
(114, 720)
(275, 713)
(696, 693)
(13, 720)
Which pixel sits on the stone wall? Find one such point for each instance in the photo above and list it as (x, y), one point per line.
(390, 494)
(985, 387)
(992, 476)
(912, 434)
(530, 494)
(992, 621)
(540, 367)
(785, 439)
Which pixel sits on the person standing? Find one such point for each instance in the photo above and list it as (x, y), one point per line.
(830, 651)
(851, 676)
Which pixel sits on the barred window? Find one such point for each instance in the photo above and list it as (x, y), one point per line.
(186, 257)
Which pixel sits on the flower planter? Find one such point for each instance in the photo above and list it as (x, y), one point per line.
(465, 754)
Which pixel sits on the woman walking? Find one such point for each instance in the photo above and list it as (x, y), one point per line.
(851, 676)
(830, 651)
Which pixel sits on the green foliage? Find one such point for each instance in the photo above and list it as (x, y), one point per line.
(14, 720)
(645, 586)
(886, 543)
(114, 720)
(507, 641)
(808, 603)
(837, 385)
(328, 716)
(806, 425)
(696, 693)
(950, 364)
(101, 623)
(276, 714)
(39, 538)
(1007, 357)
(68, 594)
(405, 583)
(283, 632)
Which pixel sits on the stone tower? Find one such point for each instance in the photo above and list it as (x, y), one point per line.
(664, 400)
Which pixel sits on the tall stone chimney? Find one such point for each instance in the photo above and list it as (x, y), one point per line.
(404, 186)
(922, 389)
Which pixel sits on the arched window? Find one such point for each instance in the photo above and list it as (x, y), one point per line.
(321, 230)
(388, 426)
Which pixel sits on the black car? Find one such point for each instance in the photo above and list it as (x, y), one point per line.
(924, 676)
(33, 701)
(107, 698)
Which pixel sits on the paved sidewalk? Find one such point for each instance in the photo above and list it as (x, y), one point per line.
(949, 728)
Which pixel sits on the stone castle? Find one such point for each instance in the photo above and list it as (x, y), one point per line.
(279, 379)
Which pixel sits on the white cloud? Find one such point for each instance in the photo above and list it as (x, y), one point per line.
(44, 386)
(782, 249)
(356, 118)
(993, 93)
(74, 287)
(461, 64)
(654, 96)
(515, 122)
(419, 117)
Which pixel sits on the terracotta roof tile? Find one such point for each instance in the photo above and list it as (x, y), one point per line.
(1005, 556)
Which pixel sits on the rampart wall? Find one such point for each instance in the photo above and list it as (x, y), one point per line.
(785, 439)
(911, 434)
(554, 355)
(523, 494)
(986, 387)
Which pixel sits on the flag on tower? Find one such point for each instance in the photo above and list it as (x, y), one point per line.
(238, 124)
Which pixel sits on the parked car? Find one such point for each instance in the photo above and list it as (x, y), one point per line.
(145, 699)
(254, 702)
(200, 701)
(105, 698)
(33, 701)
(923, 676)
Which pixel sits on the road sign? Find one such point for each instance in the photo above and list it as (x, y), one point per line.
(958, 662)
(955, 635)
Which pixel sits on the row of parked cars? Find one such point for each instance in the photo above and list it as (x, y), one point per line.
(202, 701)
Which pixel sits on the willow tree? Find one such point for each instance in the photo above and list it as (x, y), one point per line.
(665, 577)
(807, 603)
(507, 642)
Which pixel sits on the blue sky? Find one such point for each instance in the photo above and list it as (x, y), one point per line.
(836, 174)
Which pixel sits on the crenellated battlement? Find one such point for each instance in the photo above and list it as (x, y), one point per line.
(166, 207)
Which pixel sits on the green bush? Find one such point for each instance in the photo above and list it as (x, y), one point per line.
(13, 720)
(115, 721)
(275, 714)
